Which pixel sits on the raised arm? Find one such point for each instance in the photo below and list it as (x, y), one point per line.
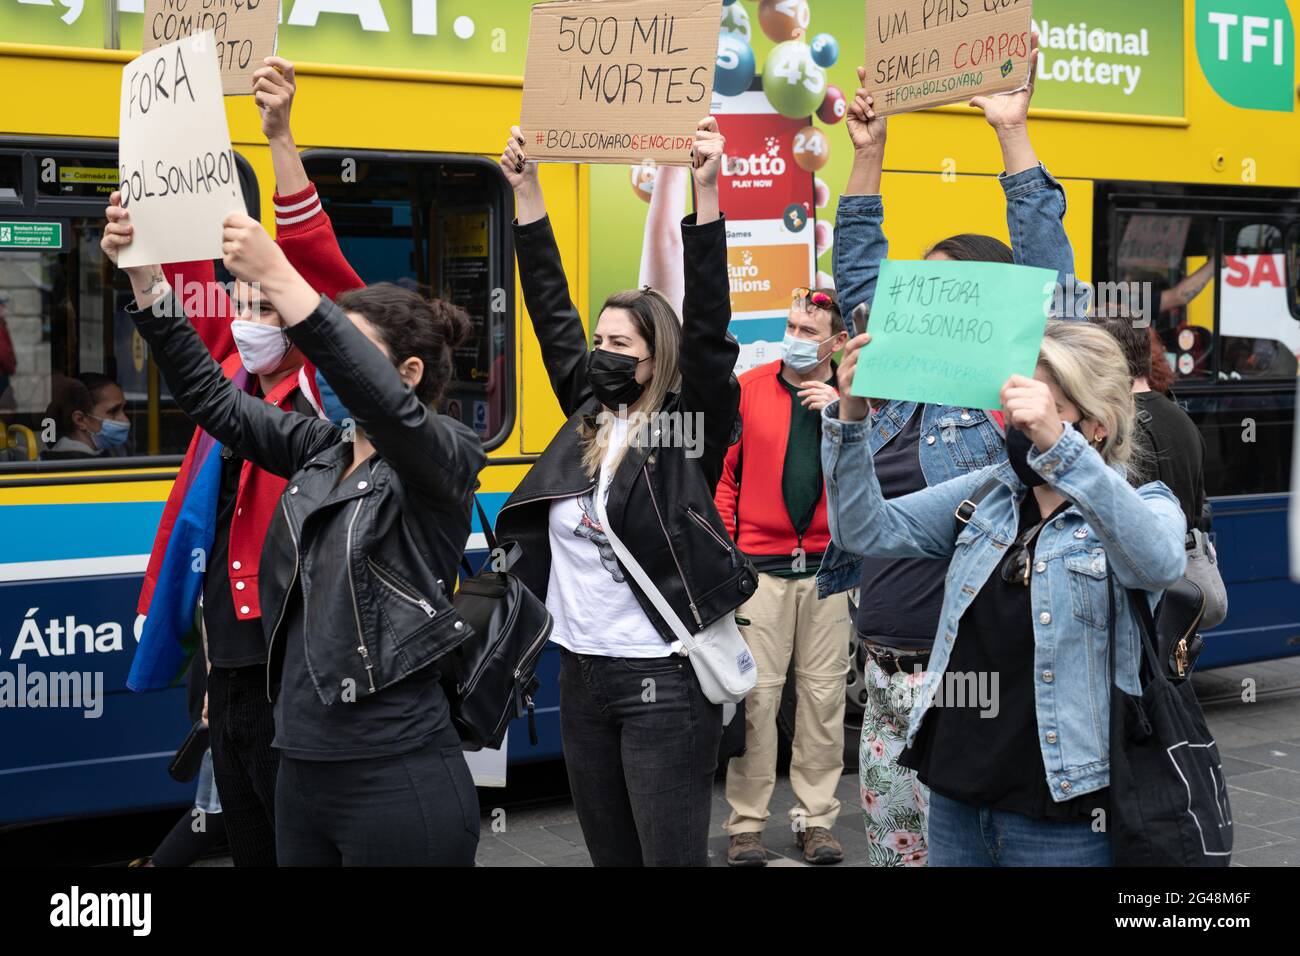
(661, 243)
(302, 228)
(1142, 529)
(437, 457)
(708, 359)
(1035, 201)
(860, 243)
(546, 288)
(275, 440)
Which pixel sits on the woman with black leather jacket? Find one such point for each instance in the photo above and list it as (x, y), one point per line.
(651, 411)
(357, 566)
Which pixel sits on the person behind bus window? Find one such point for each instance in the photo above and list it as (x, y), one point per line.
(89, 415)
(640, 738)
(919, 445)
(1005, 731)
(359, 560)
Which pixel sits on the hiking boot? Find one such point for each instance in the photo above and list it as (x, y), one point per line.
(819, 846)
(746, 849)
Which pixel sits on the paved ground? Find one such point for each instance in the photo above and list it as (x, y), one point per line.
(1259, 742)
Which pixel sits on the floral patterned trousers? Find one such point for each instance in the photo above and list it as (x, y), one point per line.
(894, 802)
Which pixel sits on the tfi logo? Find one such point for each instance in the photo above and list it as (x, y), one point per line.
(1247, 52)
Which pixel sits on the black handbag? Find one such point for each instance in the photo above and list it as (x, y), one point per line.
(189, 756)
(1168, 795)
(490, 679)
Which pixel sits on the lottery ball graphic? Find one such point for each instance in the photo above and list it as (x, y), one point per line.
(792, 82)
(825, 50)
(833, 107)
(735, 65)
(812, 150)
(781, 18)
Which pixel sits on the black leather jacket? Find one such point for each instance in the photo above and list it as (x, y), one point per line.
(661, 500)
(375, 556)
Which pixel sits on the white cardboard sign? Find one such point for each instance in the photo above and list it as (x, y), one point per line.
(177, 169)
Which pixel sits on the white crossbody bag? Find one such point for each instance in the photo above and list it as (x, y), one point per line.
(718, 654)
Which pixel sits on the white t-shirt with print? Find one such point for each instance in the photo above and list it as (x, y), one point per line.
(592, 605)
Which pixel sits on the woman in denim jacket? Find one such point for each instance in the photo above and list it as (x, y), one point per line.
(1010, 731)
(916, 446)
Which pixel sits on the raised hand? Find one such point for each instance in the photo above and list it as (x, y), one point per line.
(273, 90)
(817, 395)
(1030, 407)
(852, 408)
(519, 170)
(706, 154)
(866, 129)
(248, 252)
(1010, 111)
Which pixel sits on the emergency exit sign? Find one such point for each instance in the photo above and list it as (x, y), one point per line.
(31, 235)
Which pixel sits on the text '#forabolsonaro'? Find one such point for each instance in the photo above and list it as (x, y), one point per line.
(201, 174)
(928, 88)
(599, 140)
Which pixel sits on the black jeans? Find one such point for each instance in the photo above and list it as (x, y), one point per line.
(641, 747)
(414, 809)
(241, 728)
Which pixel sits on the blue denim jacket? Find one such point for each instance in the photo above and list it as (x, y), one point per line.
(954, 441)
(1139, 531)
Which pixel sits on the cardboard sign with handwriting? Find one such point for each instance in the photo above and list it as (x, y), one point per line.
(618, 81)
(1154, 242)
(923, 53)
(177, 170)
(244, 30)
(952, 333)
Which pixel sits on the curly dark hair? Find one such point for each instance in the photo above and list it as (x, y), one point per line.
(412, 325)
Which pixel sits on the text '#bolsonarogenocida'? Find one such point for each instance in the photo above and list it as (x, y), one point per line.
(205, 172)
(600, 140)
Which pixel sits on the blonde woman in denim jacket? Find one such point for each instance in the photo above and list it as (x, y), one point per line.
(1011, 723)
(915, 445)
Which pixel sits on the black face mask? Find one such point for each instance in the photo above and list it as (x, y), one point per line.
(1018, 448)
(612, 378)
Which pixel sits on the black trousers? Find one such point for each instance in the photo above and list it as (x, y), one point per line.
(242, 725)
(641, 748)
(414, 809)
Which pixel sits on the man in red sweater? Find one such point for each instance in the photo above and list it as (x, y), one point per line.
(773, 500)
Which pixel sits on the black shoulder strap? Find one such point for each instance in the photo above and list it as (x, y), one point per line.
(966, 510)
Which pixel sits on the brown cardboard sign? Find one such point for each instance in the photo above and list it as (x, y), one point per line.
(618, 81)
(245, 32)
(1154, 242)
(923, 53)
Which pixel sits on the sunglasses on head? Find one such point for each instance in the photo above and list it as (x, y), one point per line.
(819, 299)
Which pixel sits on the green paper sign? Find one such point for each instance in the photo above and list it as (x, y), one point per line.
(952, 333)
(1247, 52)
(31, 235)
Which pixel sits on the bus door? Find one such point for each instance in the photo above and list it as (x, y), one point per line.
(1213, 264)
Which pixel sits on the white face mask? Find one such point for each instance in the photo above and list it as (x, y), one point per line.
(262, 347)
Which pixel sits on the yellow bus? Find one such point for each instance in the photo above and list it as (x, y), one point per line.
(1187, 167)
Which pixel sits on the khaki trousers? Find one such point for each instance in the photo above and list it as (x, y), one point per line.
(787, 619)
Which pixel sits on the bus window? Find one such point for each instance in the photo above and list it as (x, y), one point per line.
(76, 383)
(1169, 260)
(1248, 439)
(1258, 337)
(438, 225)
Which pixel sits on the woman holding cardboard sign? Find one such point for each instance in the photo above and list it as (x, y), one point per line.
(354, 569)
(915, 446)
(651, 411)
(1010, 726)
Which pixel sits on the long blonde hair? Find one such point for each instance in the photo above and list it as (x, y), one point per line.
(1088, 365)
(656, 322)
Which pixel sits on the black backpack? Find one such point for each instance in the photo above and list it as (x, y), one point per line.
(490, 678)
